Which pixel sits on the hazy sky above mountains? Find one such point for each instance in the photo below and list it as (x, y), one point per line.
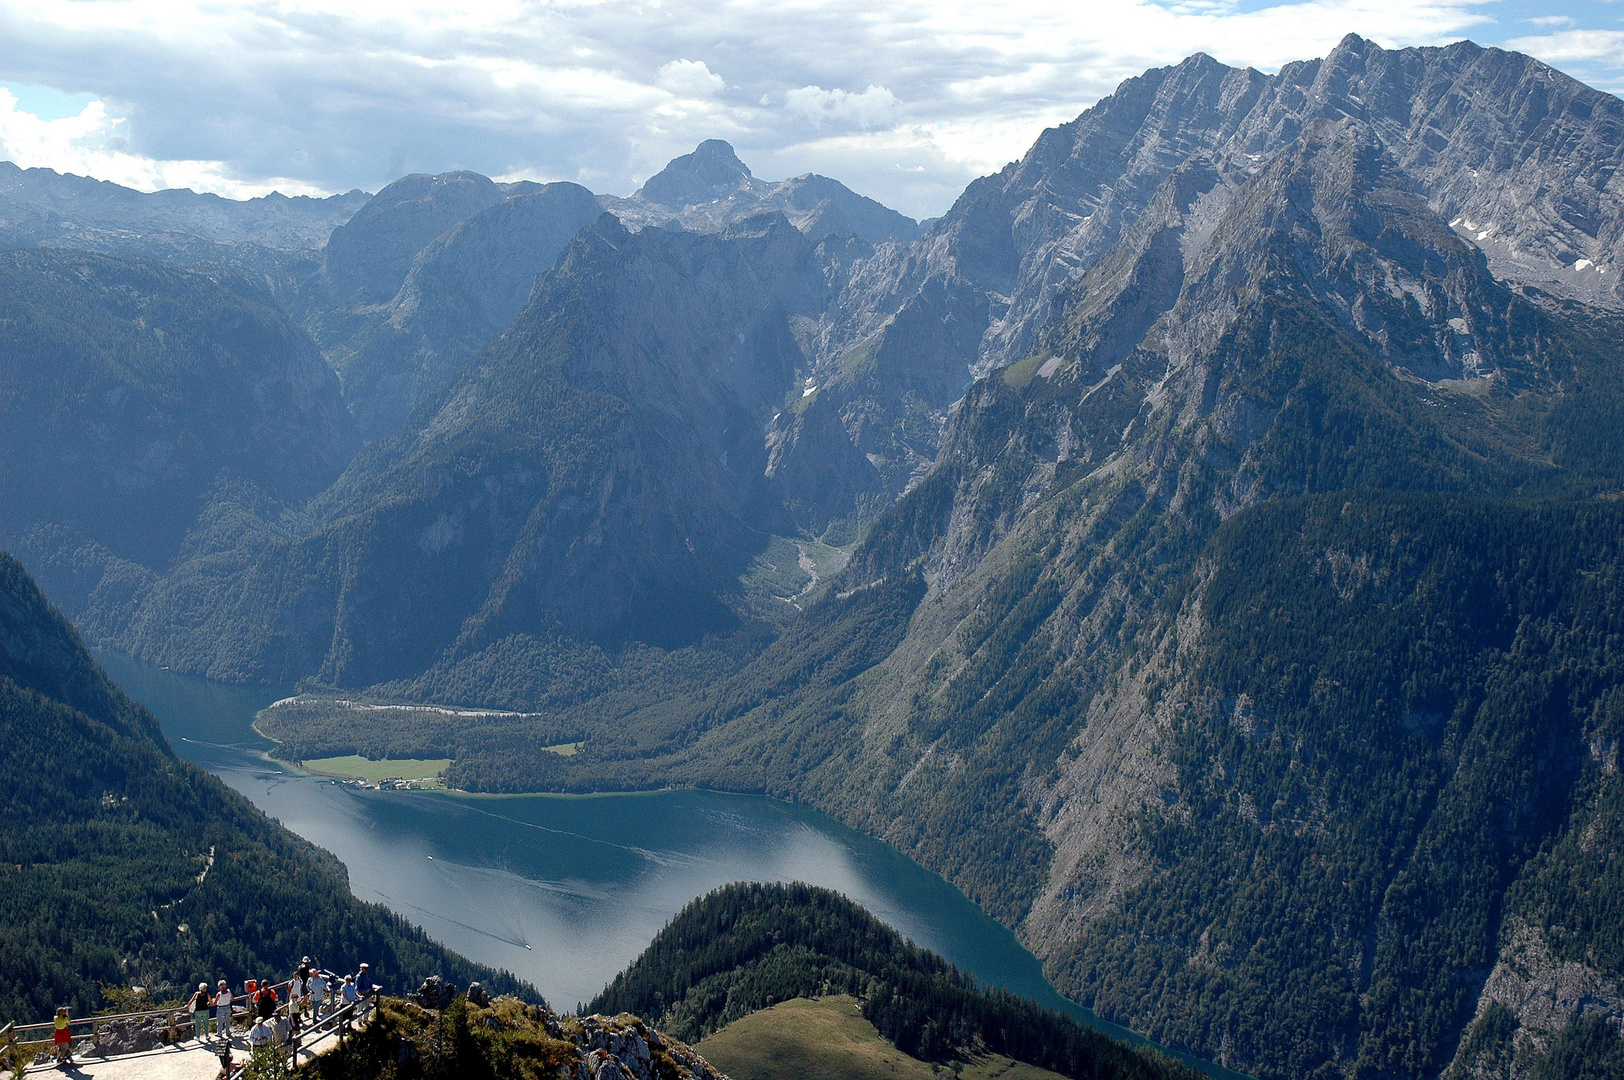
(903, 101)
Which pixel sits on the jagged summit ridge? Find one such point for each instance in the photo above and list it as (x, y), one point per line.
(1520, 158)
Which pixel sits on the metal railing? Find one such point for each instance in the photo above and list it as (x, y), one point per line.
(340, 1020)
(91, 1028)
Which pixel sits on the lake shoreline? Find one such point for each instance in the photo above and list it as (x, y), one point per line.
(566, 888)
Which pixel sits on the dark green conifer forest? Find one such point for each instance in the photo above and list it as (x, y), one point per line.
(122, 865)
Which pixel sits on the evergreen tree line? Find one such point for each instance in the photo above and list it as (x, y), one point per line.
(747, 946)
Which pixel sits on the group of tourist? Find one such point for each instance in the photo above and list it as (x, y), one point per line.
(312, 993)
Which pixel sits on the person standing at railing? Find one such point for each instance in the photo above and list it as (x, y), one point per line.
(266, 1000)
(295, 1007)
(318, 993)
(222, 1011)
(364, 985)
(200, 1011)
(63, 1039)
(299, 995)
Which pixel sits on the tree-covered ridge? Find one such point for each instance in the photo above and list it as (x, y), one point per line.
(747, 946)
(120, 864)
(130, 390)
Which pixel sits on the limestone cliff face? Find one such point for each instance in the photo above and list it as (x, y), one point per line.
(465, 287)
(1518, 158)
(1533, 996)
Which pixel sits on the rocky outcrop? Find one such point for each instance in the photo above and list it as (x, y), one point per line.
(624, 1048)
(1541, 994)
(507, 1037)
(132, 1036)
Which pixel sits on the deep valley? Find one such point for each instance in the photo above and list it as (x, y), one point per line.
(1203, 545)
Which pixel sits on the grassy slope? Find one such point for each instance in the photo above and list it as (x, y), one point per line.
(828, 1039)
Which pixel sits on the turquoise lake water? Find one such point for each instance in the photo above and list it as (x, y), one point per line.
(565, 891)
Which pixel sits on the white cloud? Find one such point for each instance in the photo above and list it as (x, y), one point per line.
(867, 109)
(1569, 46)
(334, 94)
(91, 144)
(690, 78)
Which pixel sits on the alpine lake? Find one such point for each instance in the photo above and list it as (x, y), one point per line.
(566, 890)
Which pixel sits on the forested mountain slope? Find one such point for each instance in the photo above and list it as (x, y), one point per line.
(464, 287)
(745, 947)
(434, 267)
(124, 865)
(138, 403)
(455, 258)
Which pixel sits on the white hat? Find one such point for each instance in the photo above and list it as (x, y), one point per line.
(363, 964)
(202, 986)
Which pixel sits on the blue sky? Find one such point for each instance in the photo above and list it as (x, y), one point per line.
(904, 101)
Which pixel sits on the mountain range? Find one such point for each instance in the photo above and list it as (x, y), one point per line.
(1200, 544)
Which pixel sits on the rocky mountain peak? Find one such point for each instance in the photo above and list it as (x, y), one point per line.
(711, 190)
(713, 171)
